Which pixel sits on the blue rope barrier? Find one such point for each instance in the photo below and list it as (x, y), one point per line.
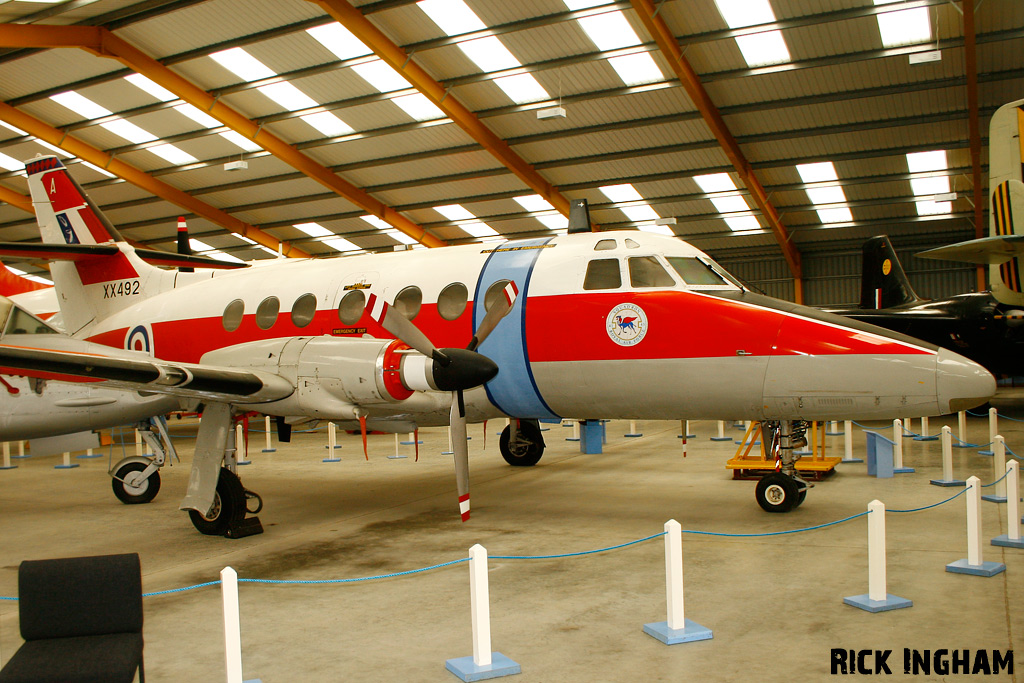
(933, 505)
(1001, 416)
(182, 590)
(585, 552)
(985, 486)
(777, 533)
(364, 578)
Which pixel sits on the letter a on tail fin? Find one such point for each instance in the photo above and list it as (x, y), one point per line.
(93, 285)
(883, 283)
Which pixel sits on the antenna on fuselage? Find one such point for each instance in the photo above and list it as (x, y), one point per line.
(579, 216)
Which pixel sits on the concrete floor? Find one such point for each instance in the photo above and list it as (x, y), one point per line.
(775, 604)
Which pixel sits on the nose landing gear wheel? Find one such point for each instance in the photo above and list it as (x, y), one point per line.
(778, 492)
(130, 488)
(228, 506)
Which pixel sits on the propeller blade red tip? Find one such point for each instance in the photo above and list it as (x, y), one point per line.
(464, 507)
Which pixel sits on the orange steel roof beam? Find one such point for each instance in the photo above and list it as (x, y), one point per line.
(668, 44)
(974, 131)
(102, 42)
(352, 19)
(98, 157)
(16, 199)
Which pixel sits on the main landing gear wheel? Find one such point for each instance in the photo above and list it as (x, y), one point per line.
(228, 506)
(129, 486)
(778, 492)
(527, 449)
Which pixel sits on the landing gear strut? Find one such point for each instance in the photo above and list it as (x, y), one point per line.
(136, 480)
(521, 443)
(783, 490)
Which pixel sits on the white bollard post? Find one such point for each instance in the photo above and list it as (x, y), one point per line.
(241, 449)
(677, 629)
(947, 460)
(67, 464)
(270, 446)
(138, 443)
(848, 443)
(232, 626)
(575, 431)
(993, 430)
(974, 564)
(397, 443)
(451, 446)
(909, 422)
(877, 599)
(479, 605)
(961, 427)
(7, 458)
(632, 430)
(332, 443)
(897, 448)
(1011, 539)
(924, 426)
(998, 470)
(21, 450)
(483, 661)
(721, 433)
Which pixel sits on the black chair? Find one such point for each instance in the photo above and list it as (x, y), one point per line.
(81, 618)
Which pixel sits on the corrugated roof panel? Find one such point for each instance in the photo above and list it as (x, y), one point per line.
(285, 190)
(296, 212)
(213, 22)
(451, 192)
(382, 147)
(49, 69)
(424, 169)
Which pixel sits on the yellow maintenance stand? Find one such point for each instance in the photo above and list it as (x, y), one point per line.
(746, 466)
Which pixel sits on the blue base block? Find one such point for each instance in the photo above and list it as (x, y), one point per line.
(572, 439)
(632, 436)
(332, 460)
(9, 467)
(339, 446)
(983, 569)
(500, 665)
(852, 460)
(926, 438)
(985, 453)
(244, 462)
(741, 443)
(688, 436)
(269, 450)
(803, 453)
(19, 457)
(84, 456)
(398, 457)
(413, 443)
(902, 470)
(994, 499)
(865, 603)
(1005, 541)
(947, 482)
(690, 632)
(721, 438)
(66, 467)
(965, 445)
(835, 433)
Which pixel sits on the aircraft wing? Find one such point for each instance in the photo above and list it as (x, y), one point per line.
(83, 252)
(991, 250)
(61, 358)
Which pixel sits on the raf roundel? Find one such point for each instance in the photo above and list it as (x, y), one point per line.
(626, 324)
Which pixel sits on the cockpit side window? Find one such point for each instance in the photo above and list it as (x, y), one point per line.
(604, 245)
(694, 271)
(645, 271)
(603, 274)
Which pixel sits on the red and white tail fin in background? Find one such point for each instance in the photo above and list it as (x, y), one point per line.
(100, 280)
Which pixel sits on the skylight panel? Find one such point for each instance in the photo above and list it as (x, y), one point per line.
(935, 185)
(452, 16)
(174, 155)
(609, 31)
(824, 172)
(257, 245)
(475, 228)
(740, 13)
(738, 223)
(242, 64)
(838, 215)
(240, 140)
(621, 193)
(920, 162)
(200, 247)
(826, 195)
(817, 173)
(129, 131)
(489, 54)
(715, 182)
(636, 69)
(155, 89)
(923, 162)
(96, 168)
(339, 40)
(535, 203)
(10, 163)
(341, 244)
(730, 204)
(328, 124)
(640, 213)
(904, 27)
(385, 228)
(313, 229)
(665, 230)
(419, 107)
(82, 106)
(522, 88)
(761, 49)
(381, 76)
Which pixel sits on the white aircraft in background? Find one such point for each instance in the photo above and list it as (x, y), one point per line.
(624, 325)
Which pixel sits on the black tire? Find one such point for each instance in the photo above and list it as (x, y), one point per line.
(228, 506)
(777, 492)
(529, 449)
(124, 478)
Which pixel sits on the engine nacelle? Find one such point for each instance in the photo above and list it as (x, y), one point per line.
(333, 377)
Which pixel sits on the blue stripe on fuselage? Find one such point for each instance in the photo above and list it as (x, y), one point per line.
(514, 390)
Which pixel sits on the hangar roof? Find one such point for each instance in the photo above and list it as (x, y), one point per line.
(759, 127)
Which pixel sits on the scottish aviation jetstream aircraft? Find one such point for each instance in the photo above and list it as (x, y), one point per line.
(609, 325)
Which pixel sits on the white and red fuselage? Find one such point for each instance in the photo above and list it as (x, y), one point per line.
(603, 347)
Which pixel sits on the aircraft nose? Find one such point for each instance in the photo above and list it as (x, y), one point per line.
(961, 383)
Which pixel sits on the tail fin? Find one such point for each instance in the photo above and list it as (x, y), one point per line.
(1007, 196)
(95, 287)
(883, 283)
(184, 248)
(579, 216)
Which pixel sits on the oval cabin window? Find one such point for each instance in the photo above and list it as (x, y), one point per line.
(233, 313)
(350, 310)
(451, 302)
(266, 312)
(408, 302)
(303, 310)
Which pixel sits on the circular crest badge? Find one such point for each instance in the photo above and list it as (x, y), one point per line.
(626, 324)
(886, 267)
(140, 338)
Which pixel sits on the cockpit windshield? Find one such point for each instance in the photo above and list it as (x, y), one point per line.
(700, 274)
(16, 320)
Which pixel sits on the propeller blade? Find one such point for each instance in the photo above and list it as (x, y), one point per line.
(499, 309)
(403, 329)
(461, 450)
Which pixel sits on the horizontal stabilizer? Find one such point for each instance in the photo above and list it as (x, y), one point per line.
(990, 250)
(84, 252)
